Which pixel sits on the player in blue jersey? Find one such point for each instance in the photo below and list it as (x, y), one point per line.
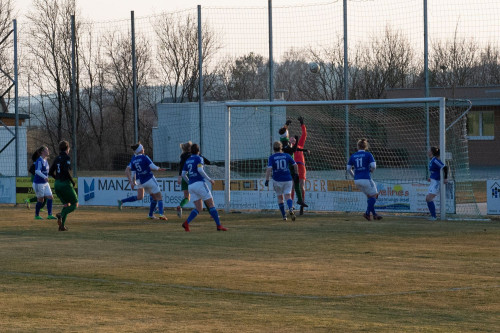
(194, 174)
(139, 173)
(31, 170)
(186, 152)
(435, 166)
(41, 184)
(364, 164)
(278, 165)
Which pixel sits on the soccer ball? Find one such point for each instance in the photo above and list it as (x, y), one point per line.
(314, 67)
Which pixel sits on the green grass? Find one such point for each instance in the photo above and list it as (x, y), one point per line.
(117, 271)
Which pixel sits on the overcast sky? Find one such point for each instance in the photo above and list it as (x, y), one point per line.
(104, 10)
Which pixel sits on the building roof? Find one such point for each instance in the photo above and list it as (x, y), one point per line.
(22, 116)
(479, 96)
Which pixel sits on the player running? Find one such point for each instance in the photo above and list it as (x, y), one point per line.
(282, 179)
(139, 171)
(195, 175)
(364, 164)
(41, 184)
(64, 185)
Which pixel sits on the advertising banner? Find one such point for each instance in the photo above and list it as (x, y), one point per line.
(493, 197)
(321, 195)
(24, 190)
(7, 193)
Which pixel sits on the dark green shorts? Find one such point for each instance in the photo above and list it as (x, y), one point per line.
(184, 185)
(65, 192)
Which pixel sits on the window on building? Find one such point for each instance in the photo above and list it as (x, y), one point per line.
(481, 125)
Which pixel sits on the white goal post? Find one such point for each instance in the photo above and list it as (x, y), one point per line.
(400, 130)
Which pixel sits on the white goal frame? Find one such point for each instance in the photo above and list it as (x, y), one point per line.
(442, 130)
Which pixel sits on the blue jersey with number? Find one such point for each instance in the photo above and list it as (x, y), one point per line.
(140, 165)
(361, 161)
(279, 163)
(42, 165)
(191, 167)
(435, 166)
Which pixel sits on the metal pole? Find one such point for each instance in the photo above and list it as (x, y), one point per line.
(271, 66)
(134, 79)
(442, 151)
(16, 97)
(200, 70)
(227, 176)
(427, 90)
(271, 69)
(346, 83)
(73, 94)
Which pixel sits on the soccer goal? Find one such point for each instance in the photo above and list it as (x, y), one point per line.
(399, 132)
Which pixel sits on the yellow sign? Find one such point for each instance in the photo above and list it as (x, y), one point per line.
(24, 189)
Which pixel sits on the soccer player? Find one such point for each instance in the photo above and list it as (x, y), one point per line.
(31, 170)
(139, 170)
(194, 174)
(64, 185)
(291, 149)
(278, 164)
(186, 153)
(435, 166)
(41, 184)
(364, 164)
(298, 156)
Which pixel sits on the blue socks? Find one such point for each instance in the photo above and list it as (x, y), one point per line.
(432, 208)
(289, 202)
(282, 209)
(160, 207)
(215, 215)
(371, 206)
(49, 206)
(152, 207)
(38, 207)
(193, 214)
(129, 199)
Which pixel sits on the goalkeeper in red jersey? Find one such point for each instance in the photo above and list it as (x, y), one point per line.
(298, 156)
(290, 148)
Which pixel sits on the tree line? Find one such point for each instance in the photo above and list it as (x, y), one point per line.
(168, 71)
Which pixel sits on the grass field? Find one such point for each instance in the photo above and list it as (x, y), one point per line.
(116, 271)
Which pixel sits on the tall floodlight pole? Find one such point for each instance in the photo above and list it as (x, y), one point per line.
(73, 94)
(134, 79)
(271, 69)
(16, 97)
(200, 81)
(427, 89)
(346, 83)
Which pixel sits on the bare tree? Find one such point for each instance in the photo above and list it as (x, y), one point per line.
(453, 63)
(119, 77)
(387, 62)
(49, 46)
(488, 72)
(177, 55)
(6, 54)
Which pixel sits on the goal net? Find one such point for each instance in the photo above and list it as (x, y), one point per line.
(399, 132)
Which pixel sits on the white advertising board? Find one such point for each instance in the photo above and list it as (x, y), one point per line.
(321, 195)
(493, 197)
(7, 190)
(106, 191)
